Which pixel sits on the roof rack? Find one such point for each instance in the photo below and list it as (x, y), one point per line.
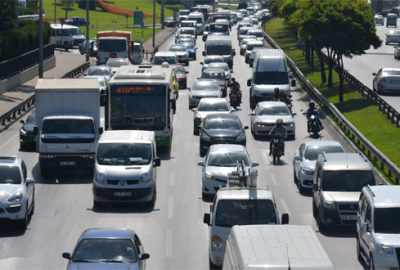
(240, 177)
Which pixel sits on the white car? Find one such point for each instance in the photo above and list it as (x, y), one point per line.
(304, 161)
(181, 52)
(17, 191)
(379, 19)
(393, 37)
(223, 66)
(116, 63)
(264, 117)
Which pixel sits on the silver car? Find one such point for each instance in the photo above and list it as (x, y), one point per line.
(181, 52)
(203, 88)
(208, 106)
(225, 67)
(219, 75)
(107, 249)
(220, 160)
(100, 71)
(379, 19)
(393, 37)
(17, 191)
(305, 158)
(386, 80)
(116, 63)
(211, 59)
(266, 113)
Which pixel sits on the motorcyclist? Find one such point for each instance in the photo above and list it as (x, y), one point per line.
(235, 88)
(312, 111)
(283, 97)
(276, 94)
(280, 130)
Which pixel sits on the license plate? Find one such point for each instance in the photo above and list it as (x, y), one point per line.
(349, 217)
(69, 163)
(122, 194)
(395, 81)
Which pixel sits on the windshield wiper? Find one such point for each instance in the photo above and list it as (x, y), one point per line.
(114, 261)
(216, 165)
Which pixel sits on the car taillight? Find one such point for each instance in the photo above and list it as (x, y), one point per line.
(388, 36)
(383, 80)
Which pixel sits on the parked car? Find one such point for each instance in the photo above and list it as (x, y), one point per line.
(17, 189)
(379, 19)
(191, 48)
(169, 21)
(221, 129)
(26, 136)
(116, 63)
(393, 37)
(208, 106)
(386, 80)
(107, 249)
(181, 52)
(180, 74)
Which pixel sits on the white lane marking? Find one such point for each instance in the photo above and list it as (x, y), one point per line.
(168, 250)
(273, 180)
(264, 155)
(170, 207)
(284, 208)
(172, 178)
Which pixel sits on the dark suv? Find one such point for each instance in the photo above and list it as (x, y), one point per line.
(76, 21)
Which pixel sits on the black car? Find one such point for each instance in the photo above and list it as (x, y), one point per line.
(221, 129)
(169, 21)
(75, 21)
(26, 137)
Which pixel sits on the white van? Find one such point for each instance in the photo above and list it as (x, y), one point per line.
(61, 36)
(199, 18)
(274, 247)
(125, 169)
(270, 71)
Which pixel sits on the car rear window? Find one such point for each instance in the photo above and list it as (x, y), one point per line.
(391, 73)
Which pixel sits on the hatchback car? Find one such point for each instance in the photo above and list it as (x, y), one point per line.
(26, 136)
(219, 75)
(203, 88)
(181, 52)
(209, 106)
(264, 117)
(17, 190)
(116, 63)
(211, 59)
(220, 160)
(107, 249)
(379, 19)
(386, 80)
(393, 37)
(304, 161)
(221, 129)
(180, 74)
(102, 71)
(191, 48)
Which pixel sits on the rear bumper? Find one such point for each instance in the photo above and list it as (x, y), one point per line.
(67, 161)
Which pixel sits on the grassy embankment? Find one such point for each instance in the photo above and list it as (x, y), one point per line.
(363, 114)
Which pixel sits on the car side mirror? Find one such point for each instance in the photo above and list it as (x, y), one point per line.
(293, 83)
(187, 72)
(246, 127)
(22, 121)
(201, 63)
(249, 82)
(157, 162)
(252, 113)
(204, 53)
(144, 256)
(35, 130)
(293, 114)
(30, 180)
(285, 218)
(101, 130)
(207, 219)
(66, 255)
(194, 109)
(188, 88)
(201, 163)
(297, 158)
(374, 74)
(255, 164)
(196, 48)
(233, 52)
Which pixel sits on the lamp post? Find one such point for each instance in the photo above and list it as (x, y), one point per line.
(55, 11)
(154, 24)
(41, 39)
(87, 31)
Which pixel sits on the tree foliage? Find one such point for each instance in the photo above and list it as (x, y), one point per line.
(8, 15)
(67, 4)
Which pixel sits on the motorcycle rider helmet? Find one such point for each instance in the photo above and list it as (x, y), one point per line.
(276, 90)
(279, 122)
(311, 105)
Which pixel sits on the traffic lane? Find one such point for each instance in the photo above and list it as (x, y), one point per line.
(362, 67)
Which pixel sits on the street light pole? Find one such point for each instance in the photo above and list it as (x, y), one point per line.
(154, 24)
(55, 11)
(87, 30)
(41, 39)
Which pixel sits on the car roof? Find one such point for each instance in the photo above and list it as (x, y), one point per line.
(345, 161)
(99, 67)
(227, 147)
(8, 161)
(127, 136)
(385, 196)
(206, 80)
(222, 115)
(165, 53)
(177, 45)
(244, 194)
(214, 70)
(271, 104)
(390, 69)
(117, 60)
(107, 233)
(214, 56)
(321, 143)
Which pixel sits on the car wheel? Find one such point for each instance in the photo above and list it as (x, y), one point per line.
(33, 204)
(195, 131)
(300, 186)
(359, 256)
(315, 210)
(295, 176)
(23, 223)
(153, 200)
(205, 196)
(251, 64)
(202, 152)
(81, 53)
(212, 265)
(187, 63)
(194, 58)
(66, 49)
(320, 224)
(371, 263)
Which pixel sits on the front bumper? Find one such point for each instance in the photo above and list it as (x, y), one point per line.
(13, 211)
(183, 59)
(101, 194)
(27, 140)
(77, 42)
(217, 257)
(385, 262)
(264, 129)
(306, 180)
(333, 217)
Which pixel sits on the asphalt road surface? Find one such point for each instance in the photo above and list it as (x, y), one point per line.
(173, 232)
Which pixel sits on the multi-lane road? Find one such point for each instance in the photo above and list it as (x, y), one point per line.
(173, 232)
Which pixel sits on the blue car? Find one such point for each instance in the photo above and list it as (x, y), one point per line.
(190, 48)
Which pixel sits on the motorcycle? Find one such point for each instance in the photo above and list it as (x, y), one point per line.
(235, 100)
(313, 125)
(276, 148)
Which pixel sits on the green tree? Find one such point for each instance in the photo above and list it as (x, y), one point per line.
(275, 5)
(67, 4)
(8, 15)
(33, 5)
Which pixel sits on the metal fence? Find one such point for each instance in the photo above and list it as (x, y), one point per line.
(14, 66)
(349, 129)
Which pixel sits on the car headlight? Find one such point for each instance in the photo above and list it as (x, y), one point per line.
(209, 176)
(22, 131)
(290, 124)
(385, 249)
(205, 137)
(307, 171)
(329, 204)
(145, 177)
(217, 243)
(15, 197)
(101, 178)
(241, 138)
(259, 124)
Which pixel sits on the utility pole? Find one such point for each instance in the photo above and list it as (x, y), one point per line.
(87, 31)
(55, 11)
(17, 12)
(162, 14)
(154, 24)
(41, 39)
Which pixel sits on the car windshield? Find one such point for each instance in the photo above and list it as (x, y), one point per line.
(10, 175)
(169, 18)
(179, 70)
(227, 159)
(63, 32)
(32, 118)
(76, 31)
(219, 49)
(188, 24)
(177, 49)
(158, 60)
(387, 220)
(198, 20)
(221, 123)
(312, 152)
(223, 66)
(271, 77)
(219, 28)
(182, 12)
(245, 212)
(205, 85)
(187, 31)
(123, 154)
(188, 45)
(255, 33)
(213, 75)
(243, 31)
(391, 72)
(98, 72)
(213, 60)
(67, 126)
(117, 63)
(105, 250)
(272, 110)
(213, 107)
(346, 180)
(250, 47)
(185, 39)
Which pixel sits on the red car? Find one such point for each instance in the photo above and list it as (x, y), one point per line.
(180, 74)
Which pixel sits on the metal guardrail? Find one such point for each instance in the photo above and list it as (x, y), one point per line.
(350, 130)
(22, 107)
(14, 66)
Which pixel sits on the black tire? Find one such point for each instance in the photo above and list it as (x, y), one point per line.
(301, 188)
(320, 224)
(195, 131)
(194, 57)
(251, 64)
(201, 151)
(274, 159)
(23, 223)
(315, 210)
(252, 105)
(371, 263)
(153, 200)
(97, 204)
(295, 179)
(82, 53)
(205, 196)
(33, 204)
(187, 63)
(44, 171)
(212, 265)
(359, 256)
(66, 49)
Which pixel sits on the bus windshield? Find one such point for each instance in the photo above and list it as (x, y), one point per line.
(138, 107)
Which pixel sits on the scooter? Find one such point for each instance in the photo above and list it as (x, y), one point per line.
(276, 148)
(235, 102)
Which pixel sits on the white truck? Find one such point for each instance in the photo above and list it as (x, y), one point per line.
(67, 123)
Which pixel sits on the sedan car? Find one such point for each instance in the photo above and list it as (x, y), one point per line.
(17, 191)
(220, 160)
(26, 136)
(191, 48)
(219, 75)
(185, 31)
(386, 80)
(107, 249)
(266, 113)
(181, 52)
(169, 21)
(102, 70)
(379, 19)
(225, 68)
(180, 74)
(305, 158)
(185, 38)
(203, 88)
(211, 59)
(116, 63)
(209, 106)
(393, 37)
(221, 129)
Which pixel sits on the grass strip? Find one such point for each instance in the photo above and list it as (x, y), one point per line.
(361, 112)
